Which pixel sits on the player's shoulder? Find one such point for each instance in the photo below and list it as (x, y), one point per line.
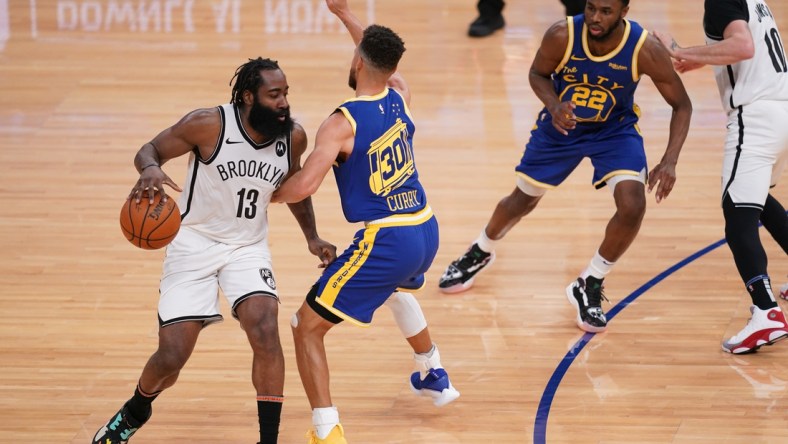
(298, 134)
(203, 116)
(560, 29)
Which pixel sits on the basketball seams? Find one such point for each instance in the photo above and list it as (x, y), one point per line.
(163, 220)
(149, 234)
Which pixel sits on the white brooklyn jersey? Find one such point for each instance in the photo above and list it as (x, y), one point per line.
(765, 75)
(226, 197)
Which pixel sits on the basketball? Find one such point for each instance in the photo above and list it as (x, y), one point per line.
(150, 226)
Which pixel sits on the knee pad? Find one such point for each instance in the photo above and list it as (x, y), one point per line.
(407, 313)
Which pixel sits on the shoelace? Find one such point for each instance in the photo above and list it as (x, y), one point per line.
(471, 258)
(595, 296)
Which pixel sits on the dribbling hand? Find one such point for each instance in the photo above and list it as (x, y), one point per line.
(152, 180)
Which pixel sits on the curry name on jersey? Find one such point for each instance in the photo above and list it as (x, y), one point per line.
(379, 177)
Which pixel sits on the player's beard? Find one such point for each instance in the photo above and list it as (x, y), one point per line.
(604, 36)
(351, 80)
(266, 121)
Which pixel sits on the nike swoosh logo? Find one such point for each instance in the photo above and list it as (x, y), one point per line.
(230, 142)
(579, 59)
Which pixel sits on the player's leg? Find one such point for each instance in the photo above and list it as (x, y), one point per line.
(773, 216)
(751, 153)
(176, 343)
(490, 18)
(309, 329)
(775, 220)
(414, 248)
(248, 283)
(541, 168)
(340, 294)
(187, 303)
(623, 227)
(767, 324)
(258, 318)
(587, 292)
(619, 164)
(430, 378)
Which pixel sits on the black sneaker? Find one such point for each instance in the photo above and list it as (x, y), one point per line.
(119, 428)
(484, 26)
(587, 297)
(460, 274)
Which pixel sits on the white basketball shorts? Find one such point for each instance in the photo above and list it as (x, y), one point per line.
(756, 151)
(196, 268)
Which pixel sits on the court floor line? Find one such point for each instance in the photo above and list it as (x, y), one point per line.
(542, 412)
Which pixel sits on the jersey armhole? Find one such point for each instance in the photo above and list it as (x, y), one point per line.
(349, 117)
(636, 54)
(222, 119)
(570, 31)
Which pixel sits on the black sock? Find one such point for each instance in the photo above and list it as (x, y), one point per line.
(269, 410)
(139, 406)
(761, 292)
(741, 232)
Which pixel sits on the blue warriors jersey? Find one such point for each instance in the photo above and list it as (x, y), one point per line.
(601, 87)
(379, 178)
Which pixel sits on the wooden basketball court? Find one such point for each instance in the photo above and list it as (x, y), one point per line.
(83, 84)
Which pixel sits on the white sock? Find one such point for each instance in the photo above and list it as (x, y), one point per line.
(485, 243)
(325, 419)
(427, 361)
(599, 267)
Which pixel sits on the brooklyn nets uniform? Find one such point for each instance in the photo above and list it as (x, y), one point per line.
(603, 89)
(379, 185)
(754, 93)
(223, 238)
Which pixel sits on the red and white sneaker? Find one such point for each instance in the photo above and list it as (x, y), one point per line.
(784, 291)
(764, 328)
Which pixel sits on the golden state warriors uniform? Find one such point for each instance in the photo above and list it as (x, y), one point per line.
(603, 89)
(379, 185)
(223, 240)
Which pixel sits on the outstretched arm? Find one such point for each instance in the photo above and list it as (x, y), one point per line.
(341, 9)
(655, 62)
(302, 210)
(334, 134)
(736, 45)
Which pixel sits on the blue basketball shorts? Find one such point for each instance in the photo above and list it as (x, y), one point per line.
(547, 165)
(387, 255)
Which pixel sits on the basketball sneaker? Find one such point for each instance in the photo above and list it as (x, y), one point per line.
(436, 385)
(586, 296)
(119, 428)
(459, 275)
(765, 327)
(337, 436)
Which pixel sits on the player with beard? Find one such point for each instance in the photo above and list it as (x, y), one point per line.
(368, 140)
(239, 153)
(586, 72)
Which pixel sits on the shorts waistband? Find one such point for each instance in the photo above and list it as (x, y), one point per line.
(416, 218)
